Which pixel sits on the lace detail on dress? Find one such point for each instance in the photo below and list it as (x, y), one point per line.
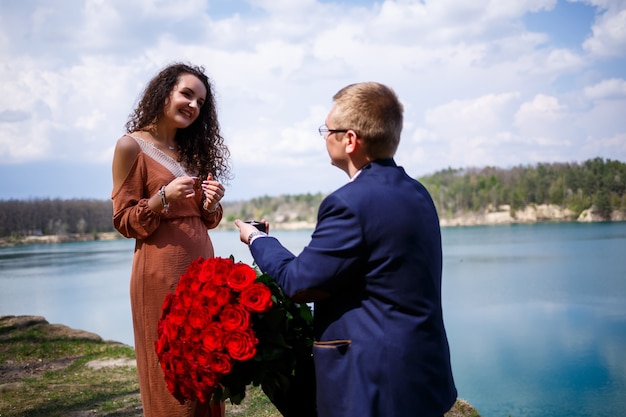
(161, 157)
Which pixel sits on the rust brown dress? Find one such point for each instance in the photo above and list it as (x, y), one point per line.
(165, 245)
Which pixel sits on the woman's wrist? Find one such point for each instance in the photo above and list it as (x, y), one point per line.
(210, 209)
(163, 198)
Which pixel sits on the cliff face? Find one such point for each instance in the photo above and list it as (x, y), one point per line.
(504, 214)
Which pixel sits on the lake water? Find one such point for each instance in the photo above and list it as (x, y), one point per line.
(536, 314)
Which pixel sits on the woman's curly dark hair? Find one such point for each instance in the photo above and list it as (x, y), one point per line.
(201, 145)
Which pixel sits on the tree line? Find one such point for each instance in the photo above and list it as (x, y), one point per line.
(596, 183)
(54, 217)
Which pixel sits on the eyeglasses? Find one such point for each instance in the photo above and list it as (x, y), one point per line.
(323, 129)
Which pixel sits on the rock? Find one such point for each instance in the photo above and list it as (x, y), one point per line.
(111, 363)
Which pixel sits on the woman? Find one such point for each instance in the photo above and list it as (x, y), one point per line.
(166, 195)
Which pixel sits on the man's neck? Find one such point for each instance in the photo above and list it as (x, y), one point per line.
(356, 164)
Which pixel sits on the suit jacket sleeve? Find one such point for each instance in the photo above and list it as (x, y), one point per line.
(328, 262)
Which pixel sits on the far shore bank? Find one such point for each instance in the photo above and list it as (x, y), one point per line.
(502, 215)
(74, 237)
(535, 213)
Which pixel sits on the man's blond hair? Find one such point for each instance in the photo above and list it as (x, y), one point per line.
(374, 112)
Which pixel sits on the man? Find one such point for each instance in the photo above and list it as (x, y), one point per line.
(373, 269)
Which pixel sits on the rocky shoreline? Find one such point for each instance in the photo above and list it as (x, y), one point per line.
(75, 237)
(501, 215)
(541, 213)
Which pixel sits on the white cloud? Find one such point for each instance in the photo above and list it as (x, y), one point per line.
(613, 87)
(468, 132)
(478, 88)
(543, 122)
(542, 109)
(462, 117)
(609, 34)
(167, 9)
(606, 146)
(603, 122)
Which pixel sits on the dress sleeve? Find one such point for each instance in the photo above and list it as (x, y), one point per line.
(132, 216)
(211, 220)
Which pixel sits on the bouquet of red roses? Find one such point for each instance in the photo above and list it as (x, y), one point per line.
(228, 326)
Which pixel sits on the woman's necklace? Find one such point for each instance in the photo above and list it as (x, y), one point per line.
(163, 146)
(157, 142)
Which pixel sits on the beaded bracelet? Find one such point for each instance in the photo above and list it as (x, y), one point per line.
(164, 203)
(204, 207)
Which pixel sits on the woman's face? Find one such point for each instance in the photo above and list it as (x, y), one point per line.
(183, 105)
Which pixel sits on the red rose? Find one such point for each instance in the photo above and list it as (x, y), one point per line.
(176, 348)
(167, 304)
(171, 383)
(184, 300)
(209, 378)
(241, 276)
(199, 317)
(177, 315)
(209, 290)
(241, 346)
(215, 270)
(160, 345)
(180, 366)
(194, 285)
(257, 298)
(213, 336)
(220, 363)
(171, 330)
(222, 268)
(192, 273)
(188, 355)
(198, 389)
(208, 382)
(199, 302)
(194, 335)
(165, 362)
(185, 388)
(235, 317)
(216, 298)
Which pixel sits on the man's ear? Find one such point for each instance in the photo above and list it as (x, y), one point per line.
(352, 143)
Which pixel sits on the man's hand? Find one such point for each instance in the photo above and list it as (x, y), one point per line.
(245, 229)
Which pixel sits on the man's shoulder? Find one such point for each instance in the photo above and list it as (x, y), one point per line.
(352, 193)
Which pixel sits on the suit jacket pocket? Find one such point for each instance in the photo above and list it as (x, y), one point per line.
(341, 346)
(332, 373)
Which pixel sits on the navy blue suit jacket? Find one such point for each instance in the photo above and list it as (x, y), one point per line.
(381, 348)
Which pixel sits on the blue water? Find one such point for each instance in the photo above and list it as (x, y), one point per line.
(536, 314)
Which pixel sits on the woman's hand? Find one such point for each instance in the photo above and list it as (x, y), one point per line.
(213, 193)
(180, 188)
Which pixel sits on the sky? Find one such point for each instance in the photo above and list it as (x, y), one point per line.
(496, 83)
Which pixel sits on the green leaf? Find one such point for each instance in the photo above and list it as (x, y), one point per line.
(306, 313)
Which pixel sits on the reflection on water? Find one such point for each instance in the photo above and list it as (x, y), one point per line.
(536, 315)
(83, 285)
(563, 360)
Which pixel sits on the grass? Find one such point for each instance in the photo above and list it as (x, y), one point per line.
(48, 370)
(45, 371)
